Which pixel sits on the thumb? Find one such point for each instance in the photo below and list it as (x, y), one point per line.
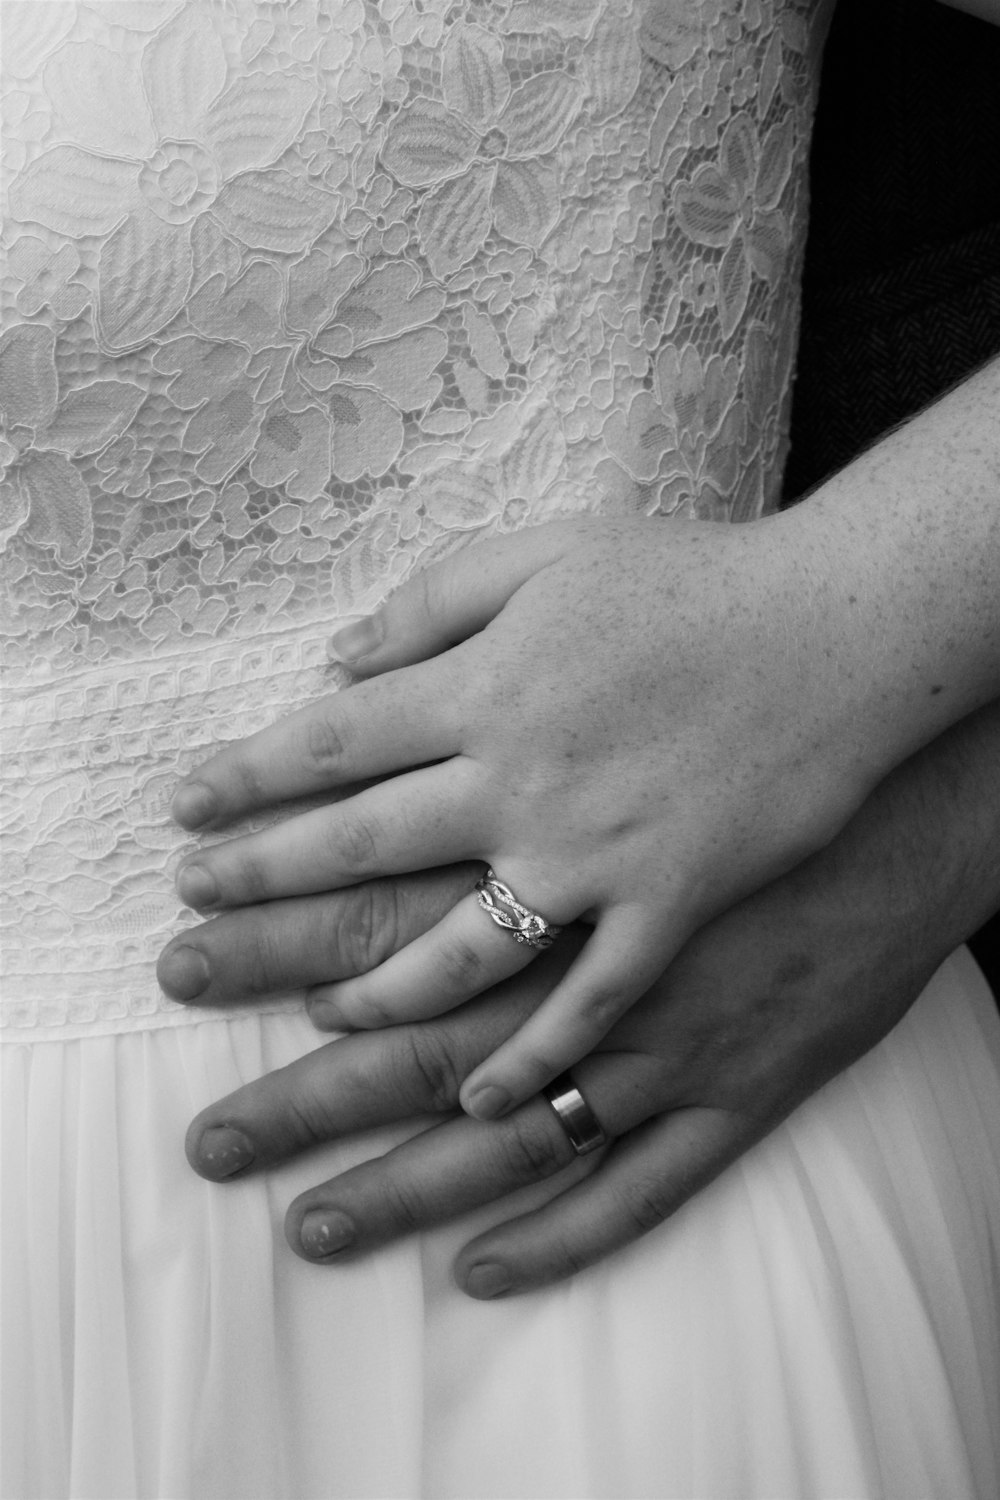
(447, 602)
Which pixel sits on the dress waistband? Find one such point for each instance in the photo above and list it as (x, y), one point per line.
(89, 765)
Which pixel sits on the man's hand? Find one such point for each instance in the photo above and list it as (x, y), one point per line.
(307, 940)
(762, 1007)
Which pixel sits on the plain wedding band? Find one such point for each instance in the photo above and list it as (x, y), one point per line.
(575, 1115)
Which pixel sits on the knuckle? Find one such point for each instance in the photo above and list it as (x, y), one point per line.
(367, 930)
(462, 970)
(540, 1066)
(600, 1010)
(400, 1203)
(366, 1011)
(425, 596)
(307, 1119)
(302, 1095)
(566, 1257)
(534, 1151)
(645, 1204)
(354, 841)
(267, 965)
(424, 1059)
(252, 879)
(323, 740)
(249, 781)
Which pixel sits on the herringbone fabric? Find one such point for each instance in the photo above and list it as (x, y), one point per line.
(876, 349)
(901, 290)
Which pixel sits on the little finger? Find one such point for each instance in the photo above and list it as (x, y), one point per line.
(460, 957)
(621, 959)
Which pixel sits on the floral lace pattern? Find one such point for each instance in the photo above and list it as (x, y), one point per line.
(299, 293)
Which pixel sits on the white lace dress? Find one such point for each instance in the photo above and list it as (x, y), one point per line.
(296, 296)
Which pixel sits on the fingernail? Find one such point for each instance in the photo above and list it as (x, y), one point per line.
(320, 1015)
(355, 641)
(323, 1015)
(196, 886)
(184, 973)
(193, 805)
(222, 1152)
(325, 1232)
(488, 1280)
(487, 1103)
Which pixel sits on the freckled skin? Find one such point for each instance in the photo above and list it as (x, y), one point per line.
(642, 721)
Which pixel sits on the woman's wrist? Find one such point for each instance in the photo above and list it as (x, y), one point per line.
(900, 559)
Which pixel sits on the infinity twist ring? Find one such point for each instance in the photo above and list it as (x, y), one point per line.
(523, 924)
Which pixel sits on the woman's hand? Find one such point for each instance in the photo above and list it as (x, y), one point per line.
(639, 723)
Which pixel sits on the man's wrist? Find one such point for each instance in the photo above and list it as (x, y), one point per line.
(917, 870)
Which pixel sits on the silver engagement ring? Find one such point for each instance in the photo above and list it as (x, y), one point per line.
(523, 924)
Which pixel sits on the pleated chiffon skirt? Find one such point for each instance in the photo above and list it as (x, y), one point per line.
(823, 1321)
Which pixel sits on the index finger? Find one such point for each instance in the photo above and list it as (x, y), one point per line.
(403, 719)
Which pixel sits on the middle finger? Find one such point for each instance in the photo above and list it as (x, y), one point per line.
(463, 1164)
(412, 822)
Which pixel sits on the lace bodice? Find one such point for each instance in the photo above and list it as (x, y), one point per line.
(300, 293)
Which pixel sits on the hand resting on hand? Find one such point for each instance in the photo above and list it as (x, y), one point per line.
(763, 1006)
(635, 723)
